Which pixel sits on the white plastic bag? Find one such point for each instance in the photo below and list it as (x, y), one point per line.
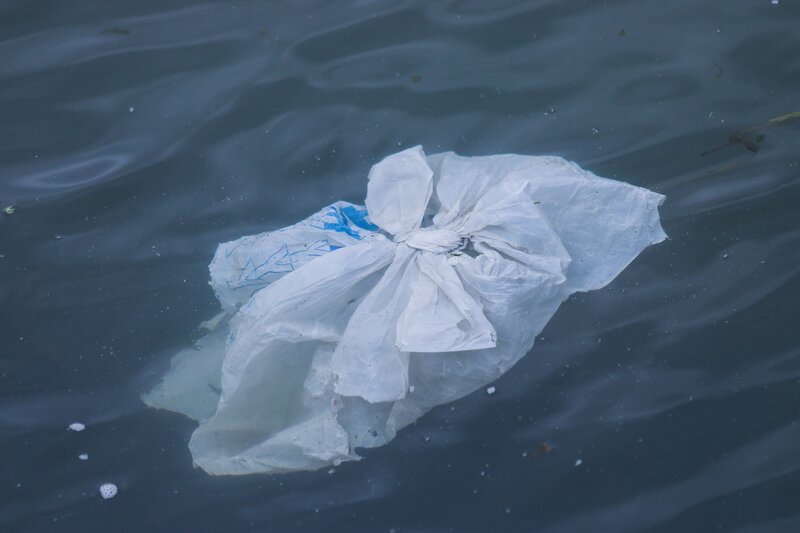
(348, 326)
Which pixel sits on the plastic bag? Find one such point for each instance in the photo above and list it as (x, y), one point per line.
(353, 323)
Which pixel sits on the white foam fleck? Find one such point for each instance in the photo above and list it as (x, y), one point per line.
(108, 490)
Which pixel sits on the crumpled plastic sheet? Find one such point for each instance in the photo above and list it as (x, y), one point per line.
(340, 330)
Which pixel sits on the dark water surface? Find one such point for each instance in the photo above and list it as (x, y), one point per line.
(135, 136)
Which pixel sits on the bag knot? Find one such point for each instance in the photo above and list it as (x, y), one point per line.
(432, 239)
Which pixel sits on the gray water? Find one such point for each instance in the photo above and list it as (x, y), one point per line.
(136, 136)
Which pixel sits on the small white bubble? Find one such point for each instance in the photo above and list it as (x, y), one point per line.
(131, 109)
(578, 462)
(491, 390)
(775, 2)
(77, 426)
(84, 457)
(108, 490)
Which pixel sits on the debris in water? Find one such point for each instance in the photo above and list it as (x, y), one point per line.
(9, 209)
(491, 390)
(416, 78)
(77, 426)
(578, 462)
(84, 457)
(545, 448)
(108, 490)
(752, 137)
(720, 72)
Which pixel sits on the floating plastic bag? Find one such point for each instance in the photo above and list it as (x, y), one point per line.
(351, 324)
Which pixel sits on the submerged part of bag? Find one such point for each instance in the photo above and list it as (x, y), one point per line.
(342, 329)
